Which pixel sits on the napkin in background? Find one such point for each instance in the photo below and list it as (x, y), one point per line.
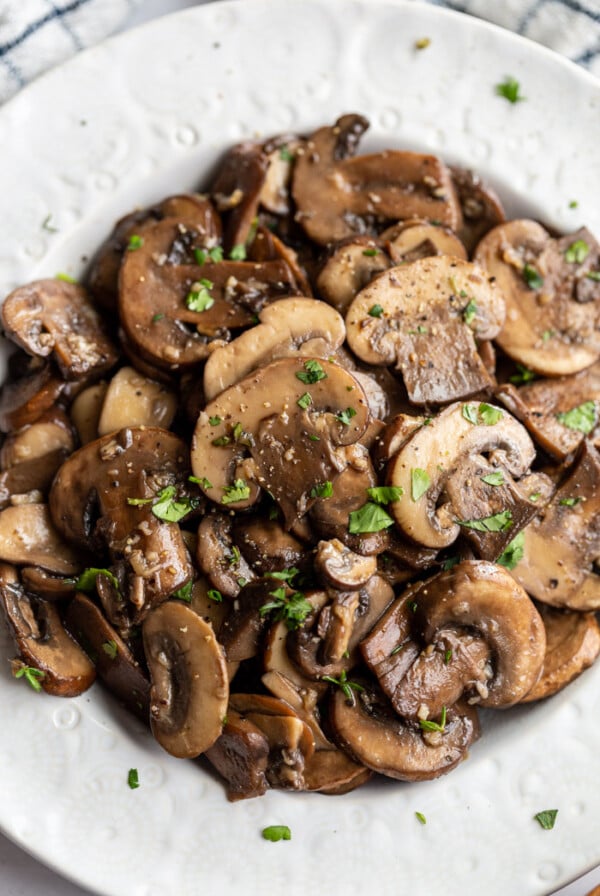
(37, 34)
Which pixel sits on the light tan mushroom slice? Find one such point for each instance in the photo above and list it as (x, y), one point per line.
(548, 327)
(51, 432)
(369, 730)
(351, 265)
(277, 661)
(342, 568)
(289, 327)
(337, 196)
(433, 310)
(63, 669)
(409, 240)
(274, 195)
(434, 454)
(190, 690)
(28, 536)
(484, 598)
(209, 604)
(52, 317)
(572, 645)
(562, 546)
(292, 448)
(85, 411)
(135, 400)
(558, 412)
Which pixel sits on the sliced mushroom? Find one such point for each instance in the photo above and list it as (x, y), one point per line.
(102, 498)
(409, 240)
(562, 546)
(572, 645)
(481, 207)
(189, 694)
(24, 400)
(28, 536)
(135, 400)
(52, 432)
(440, 458)
(293, 448)
(290, 327)
(341, 568)
(338, 196)
(29, 482)
(236, 190)
(350, 266)
(432, 310)
(85, 411)
(49, 585)
(546, 408)
(266, 545)
(240, 755)
(274, 195)
(375, 736)
(552, 307)
(114, 662)
(242, 631)
(52, 317)
(157, 281)
(267, 246)
(219, 557)
(42, 641)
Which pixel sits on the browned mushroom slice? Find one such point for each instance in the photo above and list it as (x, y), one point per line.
(85, 411)
(572, 645)
(341, 568)
(431, 312)
(558, 412)
(50, 586)
(219, 556)
(128, 235)
(52, 317)
(464, 441)
(266, 545)
(113, 660)
(51, 432)
(294, 417)
(122, 492)
(29, 482)
(24, 400)
(484, 599)
(171, 307)
(350, 266)
(62, 668)
(240, 755)
(481, 207)
(409, 240)
(237, 189)
(375, 736)
(135, 400)
(552, 306)
(562, 546)
(28, 536)
(267, 246)
(339, 196)
(281, 152)
(188, 698)
(290, 327)
(328, 770)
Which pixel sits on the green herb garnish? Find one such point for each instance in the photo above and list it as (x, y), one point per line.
(495, 478)
(110, 649)
(375, 311)
(369, 518)
(499, 522)
(385, 494)
(346, 416)
(304, 401)
(239, 491)
(469, 312)
(532, 277)
(322, 490)
(133, 779)
(420, 817)
(513, 552)
(547, 818)
(312, 373)
(199, 299)
(215, 595)
(582, 418)
(277, 832)
(523, 375)
(427, 725)
(135, 242)
(346, 686)
(419, 483)
(87, 579)
(238, 253)
(509, 89)
(31, 675)
(577, 252)
(291, 609)
(185, 592)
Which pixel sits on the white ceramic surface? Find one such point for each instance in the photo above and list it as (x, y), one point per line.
(147, 113)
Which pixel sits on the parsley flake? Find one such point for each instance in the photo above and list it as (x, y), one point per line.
(346, 416)
(276, 832)
(420, 818)
(239, 491)
(421, 44)
(283, 575)
(369, 518)
(577, 252)
(513, 552)
(312, 373)
(214, 421)
(304, 401)
(171, 509)
(285, 155)
(215, 595)
(495, 478)
(87, 579)
(370, 253)
(375, 310)
(469, 312)
(291, 609)
(593, 275)
(185, 592)
(547, 818)
(532, 277)
(569, 502)
(428, 725)
(110, 649)
(419, 483)
(133, 779)
(582, 418)
(384, 494)
(485, 414)
(66, 278)
(31, 675)
(346, 686)
(509, 89)
(523, 375)
(322, 490)
(199, 298)
(498, 522)
(135, 242)
(238, 253)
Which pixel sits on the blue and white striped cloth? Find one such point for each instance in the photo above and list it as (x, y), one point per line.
(37, 34)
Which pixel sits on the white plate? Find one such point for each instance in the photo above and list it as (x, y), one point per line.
(145, 114)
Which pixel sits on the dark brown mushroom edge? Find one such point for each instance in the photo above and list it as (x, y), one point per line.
(306, 470)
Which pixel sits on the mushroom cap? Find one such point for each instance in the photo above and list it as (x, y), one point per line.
(547, 329)
(350, 266)
(289, 327)
(24, 400)
(135, 400)
(277, 432)
(481, 207)
(481, 596)
(53, 317)
(416, 238)
(190, 689)
(28, 536)
(449, 441)
(423, 328)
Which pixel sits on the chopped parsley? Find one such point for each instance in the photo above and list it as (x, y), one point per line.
(582, 418)
(573, 203)
(31, 675)
(509, 89)
(110, 649)
(283, 575)
(427, 725)
(535, 496)
(47, 226)
(547, 334)
(285, 155)
(346, 416)
(419, 483)
(289, 608)
(135, 242)
(214, 421)
(375, 310)
(185, 592)
(66, 278)
(238, 253)
(369, 518)
(420, 818)
(384, 494)
(87, 579)
(346, 686)
(513, 552)
(312, 373)
(421, 44)
(322, 490)
(577, 252)
(485, 414)
(532, 277)
(168, 507)
(469, 312)
(370, 253)
(569, 502)
(276, 832)
(133, 779)
(495, 478)
(304, 401)
(593, 275)
(202, 481)
(523, 375)
(450, 562)
(499, 522)
(215, 595)
(447, 656)
(420, 331)
(156, 317)
(199, 299)
(546, 819)
(239, 491)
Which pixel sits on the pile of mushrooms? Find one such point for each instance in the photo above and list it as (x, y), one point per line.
(307, 469)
